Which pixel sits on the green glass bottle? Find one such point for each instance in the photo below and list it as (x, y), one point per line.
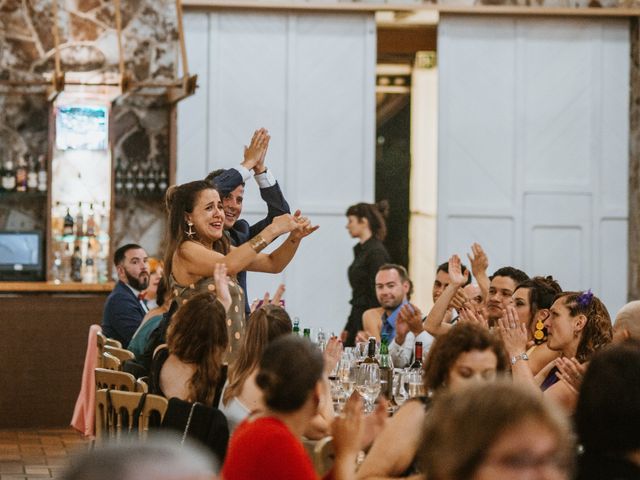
(306, 333)
(386, 369)
(296, 327)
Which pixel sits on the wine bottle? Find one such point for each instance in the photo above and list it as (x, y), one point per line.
(417, 357)
(371, 351)
(306, 334)
(296, 327)
(119, 183)
(162, 182)
(90, 269)
(67, 228)
(386, 370)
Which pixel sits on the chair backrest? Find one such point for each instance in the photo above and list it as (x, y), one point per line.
(324, 455)
(142, 385)
(120, 353)
(101, 341)
(115, 415)
(110, 362)
(112, 342)
(115, 380)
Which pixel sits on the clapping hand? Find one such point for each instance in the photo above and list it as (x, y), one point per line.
(468, 315)
(513, 332)
(255, 153)
(304, 227)
(276, 300)
(479, 261)
(571, 372)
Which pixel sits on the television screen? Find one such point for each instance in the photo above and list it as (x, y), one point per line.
(81, 127)
(20, 250)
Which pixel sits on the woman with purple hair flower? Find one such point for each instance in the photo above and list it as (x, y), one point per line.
(578, 325)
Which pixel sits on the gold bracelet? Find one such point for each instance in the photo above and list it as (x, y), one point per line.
(258, 243)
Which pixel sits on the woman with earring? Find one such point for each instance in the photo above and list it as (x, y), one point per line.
(578, 325)
(366, 223)
(196, 243)
(532, 300)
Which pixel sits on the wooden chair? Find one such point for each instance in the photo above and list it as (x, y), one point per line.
(110, 362)
(103, 341)
(142, 385)
(120, 353)
(115, 419)
(324, 455)
(115, 380)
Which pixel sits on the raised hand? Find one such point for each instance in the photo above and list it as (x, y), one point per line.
(347, 430)
(455, 271)
(304, 226)
(284, 224)
(459, 299)
(468, 315)
(332, 354)
(257, 149)
(513, 332)
(412, 316)
(479, 261)
(260, 166)
(221, 281)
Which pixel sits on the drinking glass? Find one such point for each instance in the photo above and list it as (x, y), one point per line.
(401, 393)
(347, 373)
(368, 384)
(416, 384)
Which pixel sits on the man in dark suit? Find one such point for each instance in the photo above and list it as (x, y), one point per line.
(125, 308)
(230, 183)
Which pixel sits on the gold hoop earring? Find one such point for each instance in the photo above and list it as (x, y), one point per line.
(190, 232)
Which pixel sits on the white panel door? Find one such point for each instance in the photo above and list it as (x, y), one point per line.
(533, 146)
(310, 79)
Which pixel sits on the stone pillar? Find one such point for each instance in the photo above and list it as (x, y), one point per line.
(634, 163)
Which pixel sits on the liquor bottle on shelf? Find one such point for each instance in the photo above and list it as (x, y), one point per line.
(56, 269)
(151, 180)
(76, 265)
(371, 352)
(141, 182)
(90, 274)
(67, 228)
(21, 175)
(417, 357)
(129, 182)
(9, 178)
(79, 221)
(32, 175)
(119, 183)
(66, 262)
(103, 229)
(91, 222)
(42, 174)
(162, 182)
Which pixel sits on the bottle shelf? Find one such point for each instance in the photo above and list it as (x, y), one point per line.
(12, 194)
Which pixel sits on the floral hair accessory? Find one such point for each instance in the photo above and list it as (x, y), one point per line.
(585, 299)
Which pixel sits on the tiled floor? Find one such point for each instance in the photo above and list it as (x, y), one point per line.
(32, 454)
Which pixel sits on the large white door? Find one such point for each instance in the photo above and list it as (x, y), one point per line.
(533, 146)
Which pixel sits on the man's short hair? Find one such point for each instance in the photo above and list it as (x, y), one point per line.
(513, 273)
(444, 267)
(211, 178)
(118, 257)
(402, 273)
(629, 317)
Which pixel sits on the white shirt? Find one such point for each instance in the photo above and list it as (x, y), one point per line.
(137, 293)
(264, 179)
(402, 355)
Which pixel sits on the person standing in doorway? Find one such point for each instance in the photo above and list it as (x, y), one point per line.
(366, 223)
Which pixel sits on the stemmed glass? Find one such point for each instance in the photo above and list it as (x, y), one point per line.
(347, 372)
(368, 384)
(401, 394)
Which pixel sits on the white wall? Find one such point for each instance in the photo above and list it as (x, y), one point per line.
(310, 79)
(533, 146)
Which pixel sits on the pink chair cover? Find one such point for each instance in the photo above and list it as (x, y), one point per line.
(84, 412)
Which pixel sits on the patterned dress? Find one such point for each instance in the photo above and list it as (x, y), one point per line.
(235, 315)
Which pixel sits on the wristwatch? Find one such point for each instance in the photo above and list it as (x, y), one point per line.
(522, 356)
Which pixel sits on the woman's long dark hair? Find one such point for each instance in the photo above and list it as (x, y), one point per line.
(375, 213)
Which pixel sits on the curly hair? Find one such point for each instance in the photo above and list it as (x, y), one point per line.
(265, 325)
(198, 335)
(598, 330)
(462, 338)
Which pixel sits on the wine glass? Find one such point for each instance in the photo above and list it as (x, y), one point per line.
(401, 394)
(416, 384)
(368, 384)
(347, 373)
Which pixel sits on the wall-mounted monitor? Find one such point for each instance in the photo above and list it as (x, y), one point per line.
(81, 127)
(21, 256)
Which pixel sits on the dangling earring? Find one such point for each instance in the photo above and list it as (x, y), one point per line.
(540, 334)
(190, 233)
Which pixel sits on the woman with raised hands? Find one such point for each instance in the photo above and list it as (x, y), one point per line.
(196, 243)
(578, 325)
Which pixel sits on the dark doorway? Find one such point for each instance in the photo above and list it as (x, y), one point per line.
(393, 168)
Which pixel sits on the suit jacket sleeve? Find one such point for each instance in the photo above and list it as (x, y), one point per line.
(125, 317)
(276, 205)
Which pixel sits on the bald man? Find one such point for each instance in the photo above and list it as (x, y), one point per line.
(627, 324)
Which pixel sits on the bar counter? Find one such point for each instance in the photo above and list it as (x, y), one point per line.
(43, 340)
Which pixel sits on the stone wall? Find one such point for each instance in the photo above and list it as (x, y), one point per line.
(88, 44)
